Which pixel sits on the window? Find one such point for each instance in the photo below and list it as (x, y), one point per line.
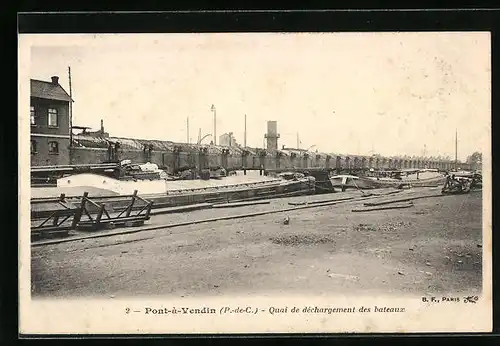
(53, 148)
(32, 116)
(52, 117)
(33, 147)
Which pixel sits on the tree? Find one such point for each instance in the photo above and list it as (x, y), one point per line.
(475, 160)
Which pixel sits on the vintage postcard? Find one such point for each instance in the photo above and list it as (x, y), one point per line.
(255, 183)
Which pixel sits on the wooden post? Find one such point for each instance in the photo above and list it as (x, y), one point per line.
(99, 216)
(148, 210)
(79, 212)
(129, 208)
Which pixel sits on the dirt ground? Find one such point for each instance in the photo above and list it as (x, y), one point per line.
(435, 247)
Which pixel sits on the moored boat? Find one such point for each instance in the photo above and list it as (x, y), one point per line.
(395, 179)
(347, 181)
(184, 192)
(388, 182)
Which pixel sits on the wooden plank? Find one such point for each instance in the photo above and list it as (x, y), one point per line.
(46, 213)
(122, 220)
(394, 206)
(396, 200)
(239, 204)
(51, 229)
(320, 201)
(148, 210)
(181, 209)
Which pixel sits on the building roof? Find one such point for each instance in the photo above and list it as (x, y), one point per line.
(49, 91)
(89, 141)
(92, 141)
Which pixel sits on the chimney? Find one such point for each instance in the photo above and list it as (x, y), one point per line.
(102, 126)
(55, 80)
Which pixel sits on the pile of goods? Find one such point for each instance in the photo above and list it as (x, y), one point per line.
(141, 171)
(462, 182)
(456, 185)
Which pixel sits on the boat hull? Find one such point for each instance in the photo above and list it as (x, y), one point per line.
(405, 182)
(372, 183)
(351, 182)
(179, 193)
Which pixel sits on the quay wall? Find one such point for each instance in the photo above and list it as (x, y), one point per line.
(200, 157)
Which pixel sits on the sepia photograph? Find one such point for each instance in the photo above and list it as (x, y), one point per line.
(255, 182)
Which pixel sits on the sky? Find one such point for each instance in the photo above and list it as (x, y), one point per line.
(349, 93)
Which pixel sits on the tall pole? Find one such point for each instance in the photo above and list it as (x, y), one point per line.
(456, 149)
(245, 135)
(187, 129)
(199, 135)
(70, 109)
(298, 142)
(215, 123)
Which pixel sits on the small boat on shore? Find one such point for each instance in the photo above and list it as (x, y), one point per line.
(347, 181)
(394, 179)
(426, 182)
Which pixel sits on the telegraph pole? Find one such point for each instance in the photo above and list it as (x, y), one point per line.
(187, 129)
(456, 149)
(215, 123)
(70, 109)
(245, 135)
(298, 141)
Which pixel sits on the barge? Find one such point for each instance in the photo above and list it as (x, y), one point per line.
(104, 200)
(165, 192)
(396, 179)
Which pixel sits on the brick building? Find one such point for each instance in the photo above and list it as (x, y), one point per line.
(50, 125)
